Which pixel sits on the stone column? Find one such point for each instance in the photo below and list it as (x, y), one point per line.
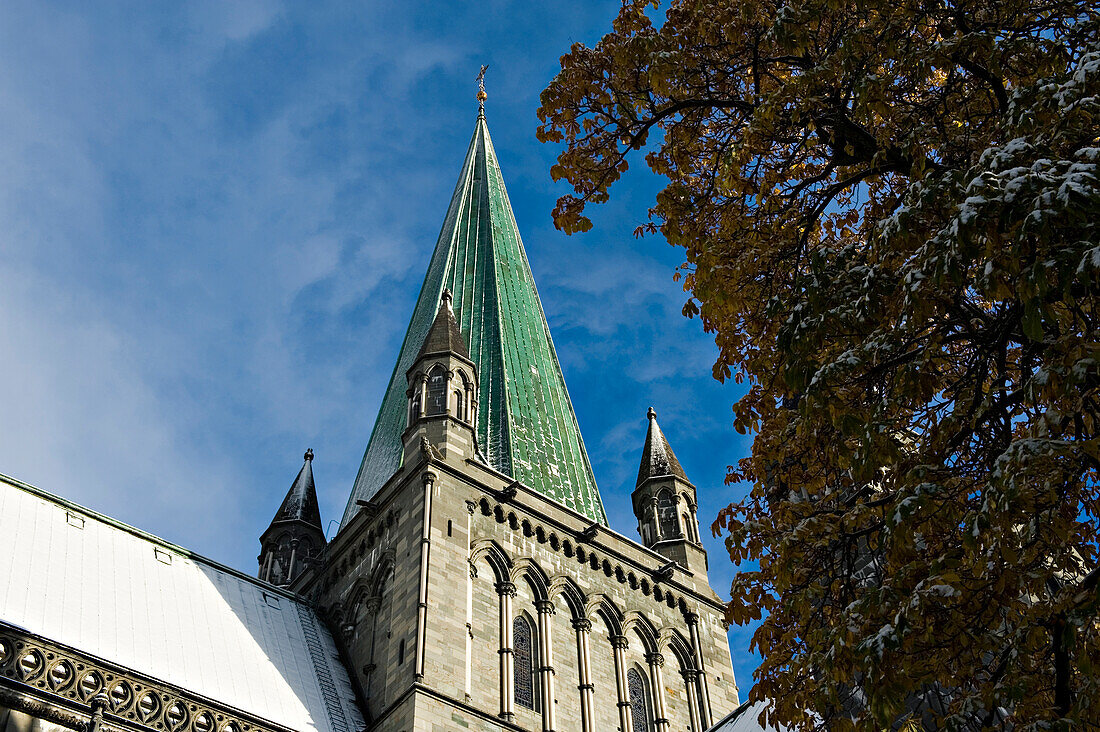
(676, 500)
(618, 646)
(691, 680)
(428, 479)
(704, 695)
(506, 591)
(266, 575)
(421, 395)
(657, 533)
(656, 661)
(372, 605)
(546, 664)
(293, 556)
(583, 626)
(99, 704)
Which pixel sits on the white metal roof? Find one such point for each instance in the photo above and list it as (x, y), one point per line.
(81, 579)
(744, 719)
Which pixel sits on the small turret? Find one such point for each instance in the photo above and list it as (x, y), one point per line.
(295, 536)
(443, 392)
(664, 503)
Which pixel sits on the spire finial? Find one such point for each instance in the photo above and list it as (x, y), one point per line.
(309, 455)
(445, 298)
(481, 95)
(651, 414)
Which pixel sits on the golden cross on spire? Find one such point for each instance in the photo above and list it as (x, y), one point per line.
(481, 95)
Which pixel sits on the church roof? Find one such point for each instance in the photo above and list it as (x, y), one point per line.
(658, 459)
(526, 425)
(300, 503)
(114, 592)
(744, 719)
(445, 335)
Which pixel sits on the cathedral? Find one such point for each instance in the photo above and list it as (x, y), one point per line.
(474, 582)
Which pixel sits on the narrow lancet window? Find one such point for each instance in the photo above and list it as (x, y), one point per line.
(522, 659)
(639, 711)
(437, 392)
(666, 513)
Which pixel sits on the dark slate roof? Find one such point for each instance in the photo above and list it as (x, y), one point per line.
(526, 426)
(300, 503)
(657, 457)
(445, 336)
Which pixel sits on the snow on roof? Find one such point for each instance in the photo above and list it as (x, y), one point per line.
(87, 581)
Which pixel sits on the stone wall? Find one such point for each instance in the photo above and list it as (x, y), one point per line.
(495, 547)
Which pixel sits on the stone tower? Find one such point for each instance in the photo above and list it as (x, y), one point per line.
(295, 537)
(442, 393)
(664, 503)
(474, 582)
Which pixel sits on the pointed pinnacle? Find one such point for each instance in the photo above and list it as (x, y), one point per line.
(308, 455)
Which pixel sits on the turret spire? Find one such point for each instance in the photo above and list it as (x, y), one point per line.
(525, 424)
(295, 534)
(658, 459)
(665, 504)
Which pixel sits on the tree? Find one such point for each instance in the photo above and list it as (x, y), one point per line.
(889, 212)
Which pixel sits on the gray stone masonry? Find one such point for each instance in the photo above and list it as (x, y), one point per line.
(495, 550)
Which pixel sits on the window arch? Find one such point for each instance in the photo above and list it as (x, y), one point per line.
(523, 666)
(414, 407)
(436, 402)
(639, 704)
(666, 514)
(459, 405)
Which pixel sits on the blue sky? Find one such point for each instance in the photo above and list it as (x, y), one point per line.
(214, 221)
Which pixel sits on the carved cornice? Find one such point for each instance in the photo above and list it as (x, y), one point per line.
(58, 683)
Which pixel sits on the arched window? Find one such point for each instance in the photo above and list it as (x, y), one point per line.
(458, 406)
(666, 514)
(437, 392)
(639, 709)
(687, 527)
(523, 656)
(414, 407)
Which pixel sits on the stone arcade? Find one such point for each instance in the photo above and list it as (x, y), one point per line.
(474, 582)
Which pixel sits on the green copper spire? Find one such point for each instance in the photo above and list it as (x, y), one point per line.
(525, 423)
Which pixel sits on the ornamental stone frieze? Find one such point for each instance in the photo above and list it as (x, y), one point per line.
(54, 682)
